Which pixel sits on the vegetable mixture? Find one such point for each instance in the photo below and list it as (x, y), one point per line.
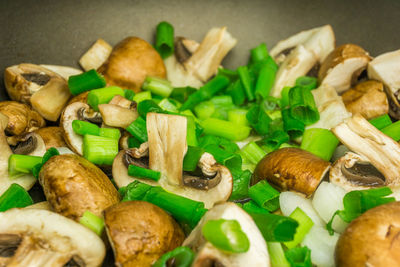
(161, 156)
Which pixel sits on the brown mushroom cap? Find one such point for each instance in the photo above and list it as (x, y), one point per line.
(130, 62)
(367, 98)
(140, 232)
(52, 136)
(372, 239)
(21, 118)
(73, 185)
(292, 169)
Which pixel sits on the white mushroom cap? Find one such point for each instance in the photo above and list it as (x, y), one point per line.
(257, 255)
(48, 239)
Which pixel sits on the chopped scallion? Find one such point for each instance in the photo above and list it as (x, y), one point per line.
(85, 81)
(15, 197)
(103, 96)
(100, 150)
(265, 195)
(164, 39)
(93, 222)
(157, 86)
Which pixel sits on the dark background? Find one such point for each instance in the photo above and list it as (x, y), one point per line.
(59, 32)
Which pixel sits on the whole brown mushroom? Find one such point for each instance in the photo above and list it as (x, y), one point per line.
(372, 239)
(130, 62)
(140, 233)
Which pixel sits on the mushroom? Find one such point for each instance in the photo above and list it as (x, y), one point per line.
(166, 148)
(372, 239)
(119, 112)
(140, 232)
(27, 144)
(208, 255)
(130, 62)
(386, 69)
(63, 71)
(52, 136)
(367, 98)
(79, 98)
(21, 118)
(96, 55)
(37, 237)
(377, 158)
(298, 54)
(292, 169)
(342, 66)
(44, 89)
(73, 185)
(77, 111)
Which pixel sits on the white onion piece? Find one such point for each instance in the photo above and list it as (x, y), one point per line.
(64, 150)
(289, 201)
(327, 199)
(322, 246)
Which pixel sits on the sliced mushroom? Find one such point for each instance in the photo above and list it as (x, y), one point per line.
(342, 66)
(42, 205)
(27, 144)
(130, 62)
(372, 239)
(52, 136)
(140, 232)
(79, 98)
(292, 169)
(44, 89)
(37, 237)
(21, 118)
(96, 55)
(366, 98)
(73, 185)
(117, 116)
(372, 146)
(63, 71)
(208, 255)
(386, 69)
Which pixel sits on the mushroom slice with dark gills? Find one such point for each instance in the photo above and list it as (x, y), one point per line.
(372, 147)
(37, 237)
(386, 69)
(211, 184)
(119, 112)
(46, 91)
(52, 136)
(208, 255)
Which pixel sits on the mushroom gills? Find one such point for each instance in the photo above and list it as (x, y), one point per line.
(363, 173)
(26, 145)
(37, 77)
(9, 243)
(200, 180)
(85, 114)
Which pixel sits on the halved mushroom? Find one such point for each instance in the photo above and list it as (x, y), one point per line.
(386, 69)
(37, 237)
(77, 111)
(21, 118)
(52, 136)
(292, 169)
(342, 66)
(371, 239)
(377, 158)
(208, 255)
(96, 55)
(27, 144)
(73, 185)
(366, 98)
(140, 232)
(298, 54)
(44, 89)
(119, 112)
(130, 62)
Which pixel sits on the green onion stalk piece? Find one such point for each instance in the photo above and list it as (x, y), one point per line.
(393, 131)
(164, 39)
(223, 143)
(133, 142)
(285, 96)
(147, 106)
(232, 75)
(20, 164)
(259, 120)
(143, 173)
(168, 105)
(302, 105)
(276, 139)
(259, 53)
(139, 97)
(253, 207)
(93, 222)
(225, 129)
(129, 94)
(110, 133)
(192, 157)
(320, 142)
(253, 152)
(157, 86)
(138, 129)
(265, 81)
(305, 224)
(381, 121)
(292, 126)
(277, 255)
(245, 79)
(222, 101)
(230, 160)
(191, 135)
(103, 96)
(265, 195)
(49, 153)
(84, 127)
(204, 110)
(100, 150)
(241, 181)
(181, 257)
(238, 116)
(236, 91)
(226, 235)
(85, 81)
(181, 94)
(299, 256)
(307, 82)
(15, 197)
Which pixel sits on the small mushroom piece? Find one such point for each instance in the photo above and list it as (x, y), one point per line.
(52, 136)
(79, 98)
(292, 169)
(27, 144)
(42, 88)
(342, 66)
(140, 232)
(96, 55)
(372, 239)
(130, 62)
(37, 237)
(21, 118)
(386, 69)
(366, 98)
(73, 185)
(63, 71)
(208, 255)
(117, 116)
